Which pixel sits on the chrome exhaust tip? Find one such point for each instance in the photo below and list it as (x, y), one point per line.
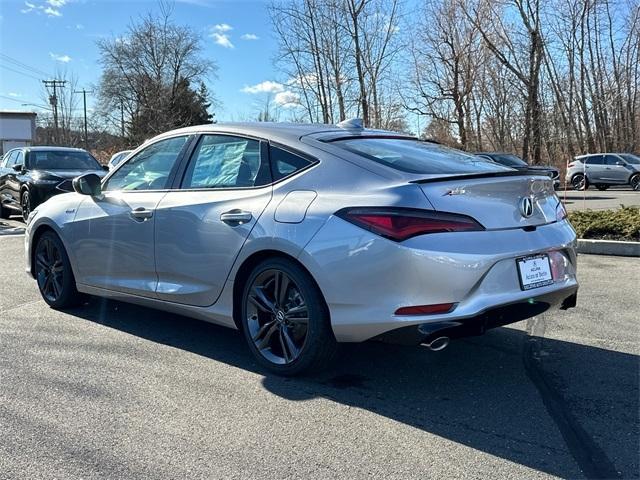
(437, 344)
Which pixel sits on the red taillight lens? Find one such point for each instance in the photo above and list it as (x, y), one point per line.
(426, 309)
(399, 224)
(571, 165)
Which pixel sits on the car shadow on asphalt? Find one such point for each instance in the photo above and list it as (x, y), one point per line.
(476, 392)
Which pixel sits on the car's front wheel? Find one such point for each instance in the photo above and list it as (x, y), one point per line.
(53, 272)
(579, 182)
(25, 204)
(635, 182)
(285, 320)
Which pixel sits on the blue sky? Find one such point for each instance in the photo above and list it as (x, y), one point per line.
(57, 35)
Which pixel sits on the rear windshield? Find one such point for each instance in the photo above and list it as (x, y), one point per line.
(414, 156)
(509, 160)
(61, 160)
(634, 159)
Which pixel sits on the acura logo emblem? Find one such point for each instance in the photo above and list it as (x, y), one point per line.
(526, 207)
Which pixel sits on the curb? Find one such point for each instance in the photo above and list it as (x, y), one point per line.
(609, 247)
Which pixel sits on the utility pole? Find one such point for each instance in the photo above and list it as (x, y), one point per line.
(53, 100)
(121, 118)
(84, 103)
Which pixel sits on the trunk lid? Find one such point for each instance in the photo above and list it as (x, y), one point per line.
(497, 201)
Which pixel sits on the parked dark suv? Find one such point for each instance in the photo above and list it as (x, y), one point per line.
(513, 161)
(31, 175)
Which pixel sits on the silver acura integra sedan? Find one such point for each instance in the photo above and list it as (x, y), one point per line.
(302, 236)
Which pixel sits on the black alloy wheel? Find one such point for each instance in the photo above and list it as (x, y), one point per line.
(285, 320)
(53, 272)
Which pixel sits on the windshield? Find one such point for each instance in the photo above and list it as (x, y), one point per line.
(633, 159)
(62, 160)
(414, 156)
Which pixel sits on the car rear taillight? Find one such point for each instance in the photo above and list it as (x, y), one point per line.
(399, 224)
(571, 165)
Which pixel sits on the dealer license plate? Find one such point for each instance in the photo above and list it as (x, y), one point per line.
(534, 271)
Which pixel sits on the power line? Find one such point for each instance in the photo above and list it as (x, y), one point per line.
(24, 101)
(19, 72)
(23, 65)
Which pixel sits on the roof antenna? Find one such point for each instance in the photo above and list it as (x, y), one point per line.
(351, 124)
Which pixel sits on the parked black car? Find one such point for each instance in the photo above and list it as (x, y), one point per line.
(513, 161)
(31, 175)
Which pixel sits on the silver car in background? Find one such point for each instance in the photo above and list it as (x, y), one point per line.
(302, 236)
(604, 170)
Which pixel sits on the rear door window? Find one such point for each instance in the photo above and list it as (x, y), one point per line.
(415, 156)
(224, 161)
(595, 160)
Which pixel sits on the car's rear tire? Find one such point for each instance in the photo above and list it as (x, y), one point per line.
(635, 182)
(285, 320)
(602, 187)
(579, 182)
(53, 272)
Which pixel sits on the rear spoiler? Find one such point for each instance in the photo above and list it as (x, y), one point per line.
(466, 176)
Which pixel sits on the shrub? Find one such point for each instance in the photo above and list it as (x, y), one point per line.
(622, 224)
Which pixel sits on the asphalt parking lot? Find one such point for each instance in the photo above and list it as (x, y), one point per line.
(111, 390)
(596, 200)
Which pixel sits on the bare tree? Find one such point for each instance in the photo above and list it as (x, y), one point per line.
(149, 76)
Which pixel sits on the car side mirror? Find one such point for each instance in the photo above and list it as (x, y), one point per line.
(88, 184)
(18, 167)
(105, 167)
(619, 162)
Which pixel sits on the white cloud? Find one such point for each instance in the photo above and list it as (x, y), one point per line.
(50, 8)
(52, 12)
(30, 7)
(79, 26)
(14, 94)
(264, 87)
(287, 99)
(222, 27)
(250, 36)
(60, 58)
(222, 40)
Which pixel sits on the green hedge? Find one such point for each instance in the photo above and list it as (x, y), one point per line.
(622, 224)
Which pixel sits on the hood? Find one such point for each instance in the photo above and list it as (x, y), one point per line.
(65, 174)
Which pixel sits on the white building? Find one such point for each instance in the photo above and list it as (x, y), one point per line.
(17, 129)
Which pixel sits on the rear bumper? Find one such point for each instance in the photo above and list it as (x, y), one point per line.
(480, 323)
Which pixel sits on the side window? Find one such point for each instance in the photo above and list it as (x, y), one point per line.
(223, 161)
(595, 160)
(19, 158)
(150, 168)
(610, 160)
(284, 163)
(10, 159)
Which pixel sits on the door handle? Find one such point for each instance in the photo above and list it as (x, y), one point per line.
(236, 217)
(141, 213)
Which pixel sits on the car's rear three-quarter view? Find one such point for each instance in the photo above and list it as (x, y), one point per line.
(305, 236)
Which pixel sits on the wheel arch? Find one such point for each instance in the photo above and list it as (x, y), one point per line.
(249, 263)
(38, 231)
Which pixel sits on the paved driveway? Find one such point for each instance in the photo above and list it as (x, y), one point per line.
(117, 391)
